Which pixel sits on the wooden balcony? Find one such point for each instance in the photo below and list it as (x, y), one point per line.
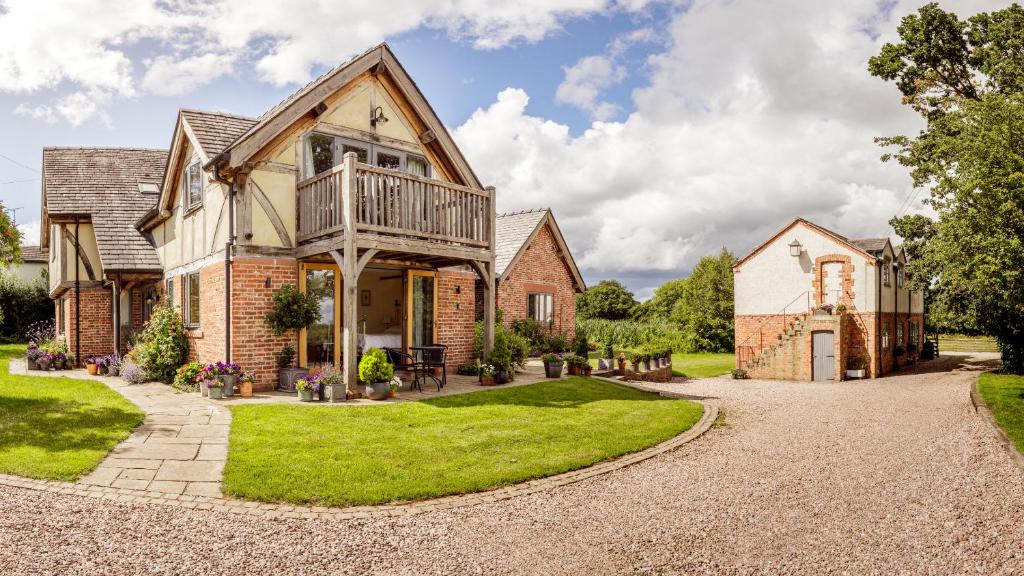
(391, 204)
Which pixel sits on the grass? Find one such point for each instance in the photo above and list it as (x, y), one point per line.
(342, 456)
(58, 428)
(965, 343)
(1004, 395)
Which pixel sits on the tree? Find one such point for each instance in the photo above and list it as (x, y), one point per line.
(705, 308)
(966, 78)
(10, 240)
(609, 299)
(661, 304)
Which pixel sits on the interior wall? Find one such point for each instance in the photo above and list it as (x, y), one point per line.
(383, 315)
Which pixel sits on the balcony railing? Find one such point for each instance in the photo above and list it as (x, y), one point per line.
(393, 203)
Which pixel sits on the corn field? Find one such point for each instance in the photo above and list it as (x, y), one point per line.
(629, 334)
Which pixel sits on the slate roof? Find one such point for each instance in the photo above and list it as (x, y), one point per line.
(873, 246)
(215, 130)
(32, 254)
(511, 232)
(103, 183)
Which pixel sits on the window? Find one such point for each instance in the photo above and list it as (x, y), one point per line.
(60, 316)
(885, 335)
(192, 300)
(324, 152)
(540, 306)
(899, 333)
(170, 293)
(886, 272)
(899, 277)
(913, 333)
(193, 185)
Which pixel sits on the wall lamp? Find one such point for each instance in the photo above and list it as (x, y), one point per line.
(795, 248)
(377, 117)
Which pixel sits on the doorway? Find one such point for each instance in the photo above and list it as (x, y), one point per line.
(421, 302)
(823, 366)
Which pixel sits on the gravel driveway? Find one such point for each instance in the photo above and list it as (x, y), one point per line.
(891, 476)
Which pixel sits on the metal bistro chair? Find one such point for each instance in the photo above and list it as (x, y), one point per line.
(435, 356)
(405, 362)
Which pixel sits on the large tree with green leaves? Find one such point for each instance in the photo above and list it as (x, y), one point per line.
(10, 240)
(705, 307)
(660, 305)
(608, 299)
(966, 79)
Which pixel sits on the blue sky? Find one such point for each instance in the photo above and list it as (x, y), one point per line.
(658, 131)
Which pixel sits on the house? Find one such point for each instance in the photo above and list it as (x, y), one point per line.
(805, 267)
(30, 269)
(351, 188)
(536, 275)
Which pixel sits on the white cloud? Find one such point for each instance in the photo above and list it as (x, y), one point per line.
(756, 113)
(29, 233)
(584, 82)
(168, 75)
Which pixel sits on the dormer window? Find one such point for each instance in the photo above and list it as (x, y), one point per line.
(192, 186)
(887, 272)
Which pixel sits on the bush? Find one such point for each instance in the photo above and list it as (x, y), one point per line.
(535, 333)
(132, 373)
(185, 379)
(162, 347)
(470, 369)
(374, 367)
(292, 310)
(557, 343)
(518, 345)
(740, 374)
(501, 355)
(286, 356)
(23, 305)
(609, 351)
(582, 347)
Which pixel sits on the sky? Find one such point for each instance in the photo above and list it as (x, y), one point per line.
(657, 131)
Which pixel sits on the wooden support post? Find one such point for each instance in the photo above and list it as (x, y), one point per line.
(350, 277)
(490, 282)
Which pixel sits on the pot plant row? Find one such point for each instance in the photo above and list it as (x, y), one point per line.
(51, 354)
(649, 358)
(108, 365)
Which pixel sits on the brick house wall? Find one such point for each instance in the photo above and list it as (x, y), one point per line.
(456, 315)
(539, 269)
(253, 344)
(96, 329)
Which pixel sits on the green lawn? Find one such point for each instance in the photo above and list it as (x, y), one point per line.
(965, 343)
(58, 428)
(342, 456)
(702, 364)
(1004, 395)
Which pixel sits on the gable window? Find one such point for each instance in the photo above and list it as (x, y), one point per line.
(540, 306)
(886, 273)
(170, 294)
(885, 335)
(193, 185)
(192, 300)
(323, 152)
(899, 277)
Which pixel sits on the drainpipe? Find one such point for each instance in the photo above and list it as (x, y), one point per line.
(896, 314)
(214, 166)
(78, 301)
(878, 315)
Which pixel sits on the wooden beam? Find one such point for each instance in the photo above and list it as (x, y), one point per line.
(422, 247)
(364, 260)
(81, 254)
(268, 208)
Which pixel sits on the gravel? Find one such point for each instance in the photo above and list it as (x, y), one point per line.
(877, 477)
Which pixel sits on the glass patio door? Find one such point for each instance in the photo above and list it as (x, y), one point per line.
(422, 305)
(318, 344)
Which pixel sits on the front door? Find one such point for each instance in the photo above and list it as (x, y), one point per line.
(823, 352)
(421, 302)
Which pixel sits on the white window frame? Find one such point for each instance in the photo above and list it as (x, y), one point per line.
(186, 186)
(191, 322)
(899, 276)
(550, 309)
(885, 335)
(899, 334)
(169, 288)
(887, 272)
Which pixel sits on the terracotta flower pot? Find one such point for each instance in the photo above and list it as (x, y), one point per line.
(245, 389)
(92, 369)
(488, 381)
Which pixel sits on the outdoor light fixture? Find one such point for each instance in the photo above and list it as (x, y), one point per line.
(266, 282)
(377, 117)
(795, 248)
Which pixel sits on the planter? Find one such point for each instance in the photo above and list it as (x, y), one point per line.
(622, 367)
(378, 390)
(305, 395)
(287, 377)
(647, 365)
(113, 371)
(502, 377)
(488, 380)
(101, 370)
(216, 393)
(553, 369)
(574, 369)
(636, 366)
(245, 389)
(855, 373)
(44, 365)
(587, 371)
(31, 364)
(229, 385)
(392, 394)
(92, 369)
(609, 364)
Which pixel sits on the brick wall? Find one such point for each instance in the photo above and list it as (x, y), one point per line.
(759, 330)
(540, 269)
(206, 342)
(455, 315)
(253, 345)
(96, 328)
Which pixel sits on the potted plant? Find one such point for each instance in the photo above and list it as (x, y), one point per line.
(487, 375)
(329, 378)
(552, 365)
(44, 362)
(114, 364)
(306, 386)
(856, 367)
(622, 363)
(635, 359)
(575, 363)
(393, 387)
(229, 374)
(245, 384)
(841, 308)
(376, 372)
(824, 310)
(32, 356)
(609, 356)
(59, 361)
(287, 373)
(188, 378)
(90, 366)
(740, 374)
(215, 388)
(587, 369)
(501, 357)
(101, 365)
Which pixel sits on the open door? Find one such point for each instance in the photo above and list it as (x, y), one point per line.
(421, 304)
(319, 345)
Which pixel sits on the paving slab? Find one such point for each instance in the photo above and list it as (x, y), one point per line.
(156, 451)
(169, 487)
(190, 471)
(137, 474)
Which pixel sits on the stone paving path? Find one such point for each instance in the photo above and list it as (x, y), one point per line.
(180, 448)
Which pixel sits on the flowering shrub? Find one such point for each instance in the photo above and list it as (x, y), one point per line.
(309, 383)
(215, 383)
(162, 347)
(488, 370)
(40, 332)
(550, 358)
(132, 373)
(188, 377)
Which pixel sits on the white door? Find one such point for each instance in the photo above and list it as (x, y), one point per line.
(833, 285)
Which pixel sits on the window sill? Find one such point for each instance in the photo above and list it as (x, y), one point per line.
(194, 332)
(192, 210)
